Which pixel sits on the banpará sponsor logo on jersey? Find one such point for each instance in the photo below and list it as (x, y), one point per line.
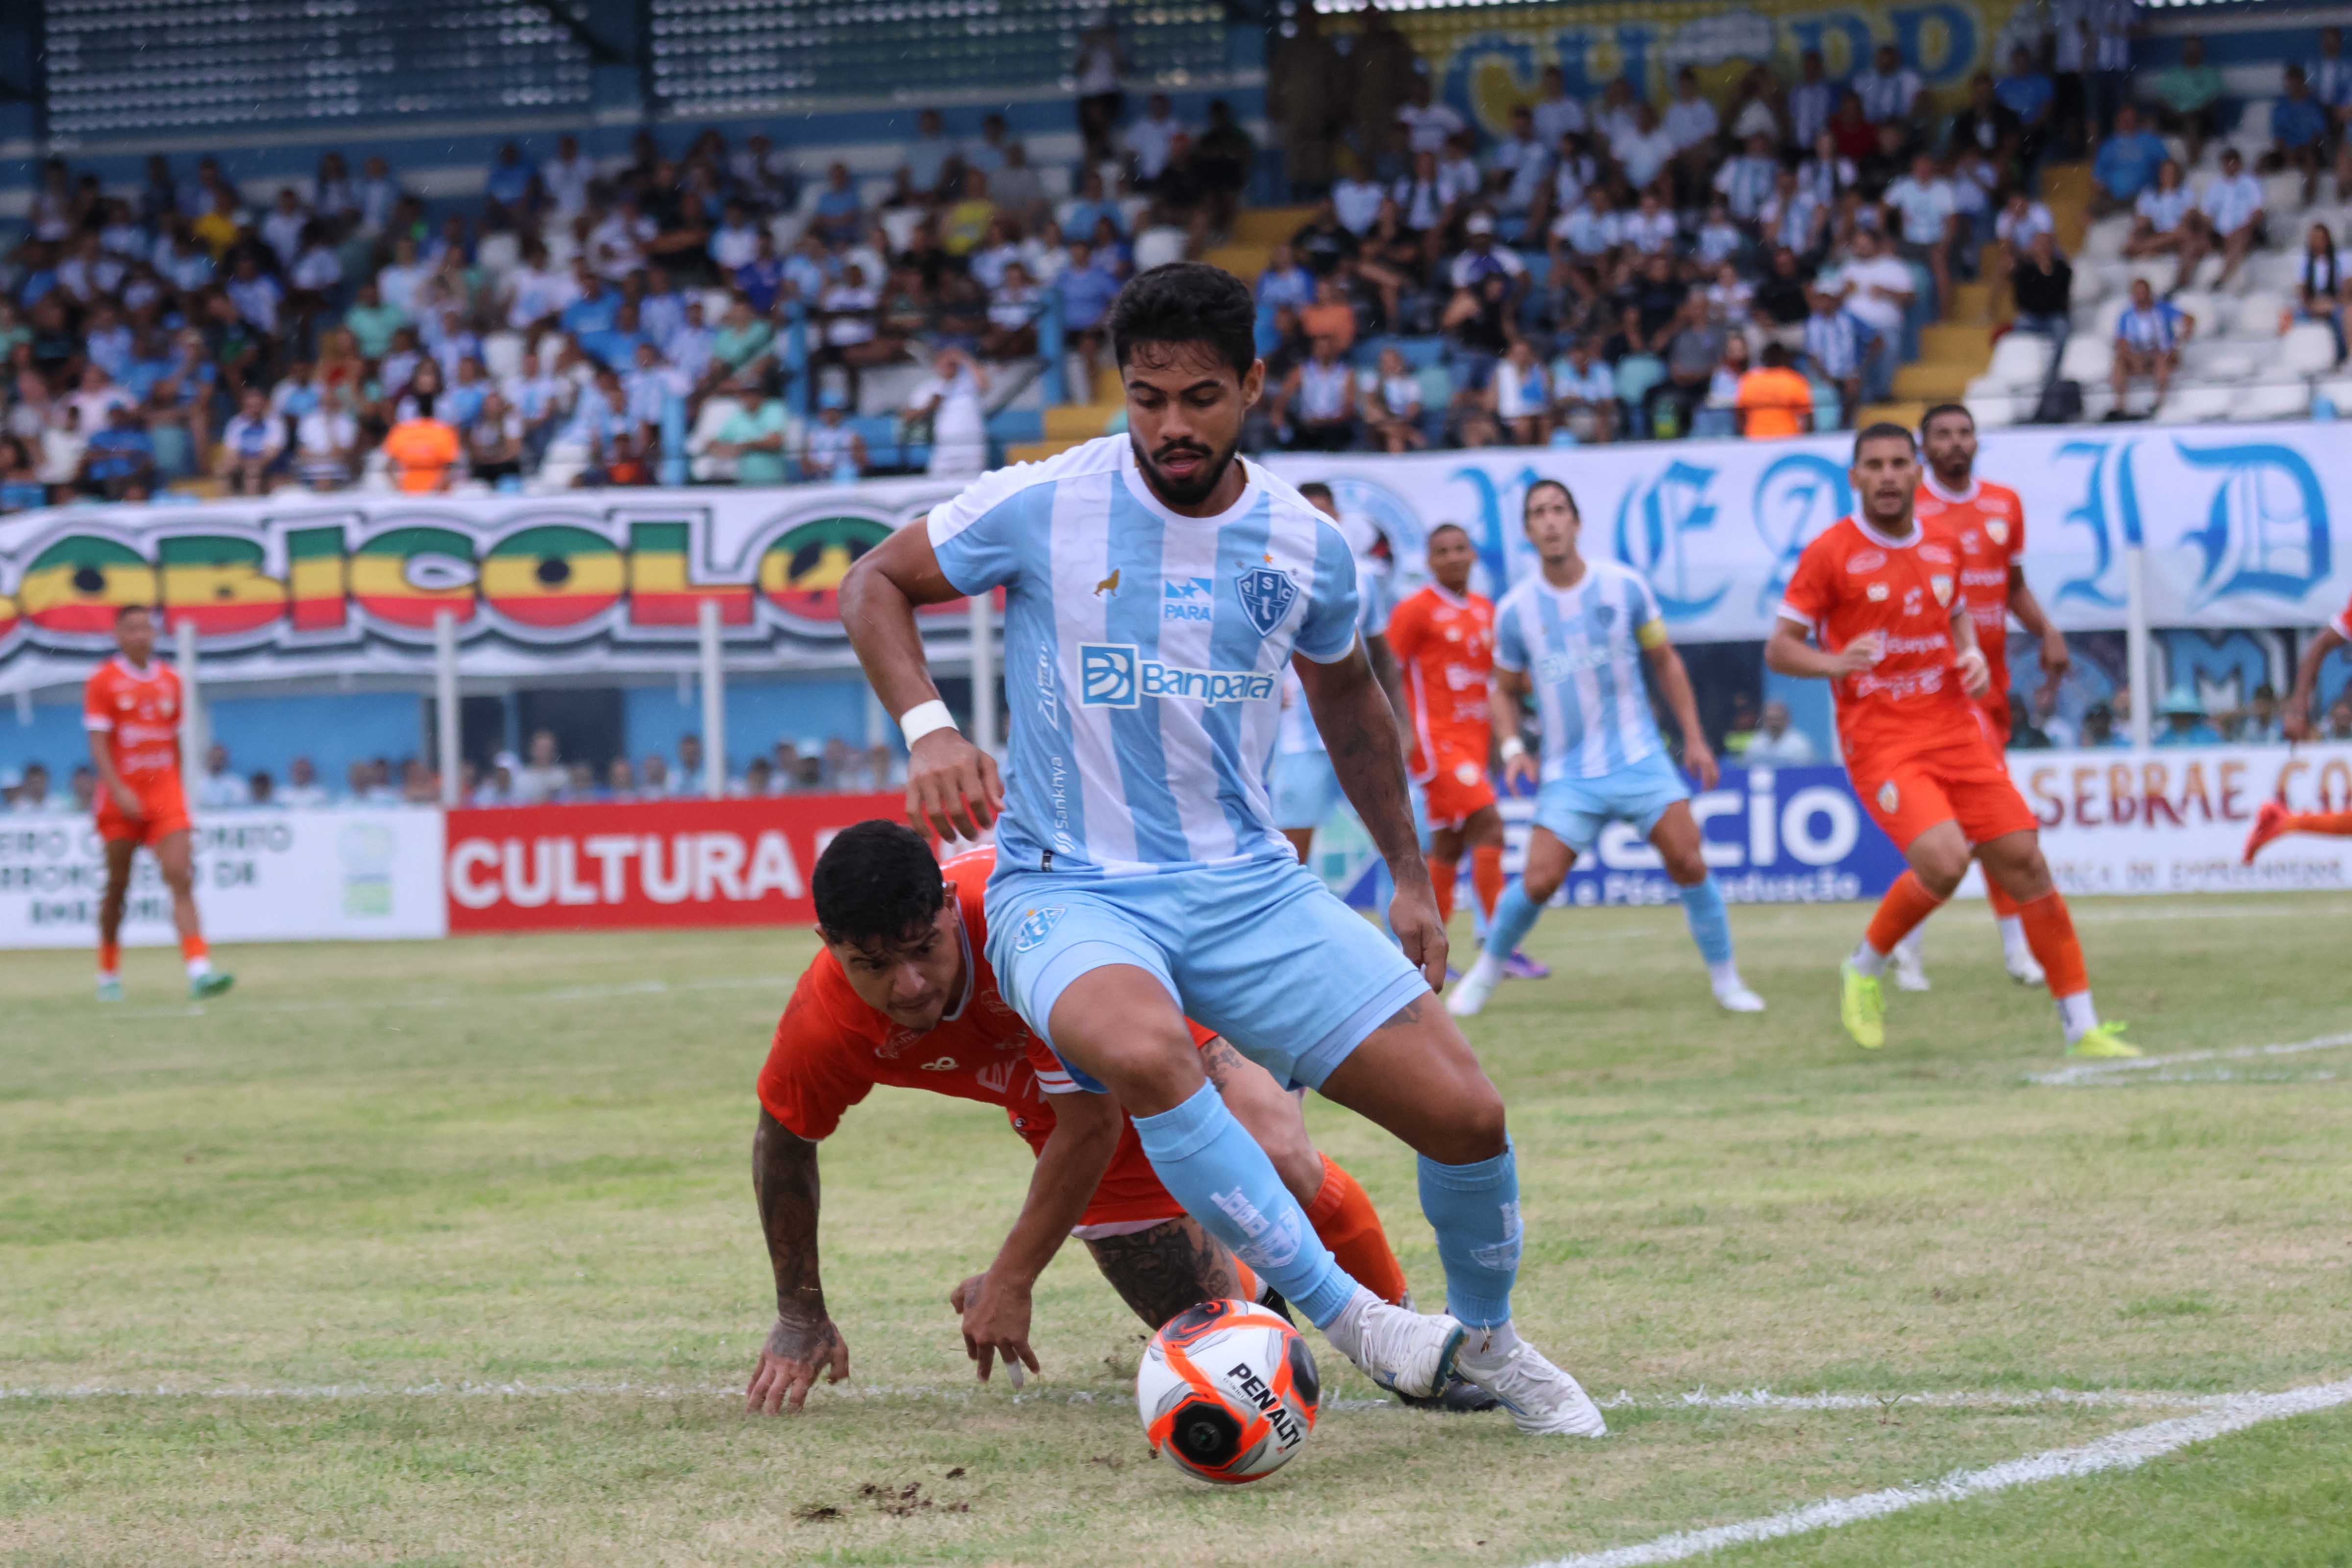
(1117, 675)
(1188, 599)
(1560, 666)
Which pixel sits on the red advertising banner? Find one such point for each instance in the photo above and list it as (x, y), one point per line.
(645, 863)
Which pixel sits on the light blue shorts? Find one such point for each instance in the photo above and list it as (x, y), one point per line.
(1261, 953)
(1576, 810)
(1306, 791)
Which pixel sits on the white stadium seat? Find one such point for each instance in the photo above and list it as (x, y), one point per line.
(2271, 400)
(2104, 241)
(2308, 349)
(2258, 315)
(2273, 270)
(2282, 194)
(502, 354)
(2195, 405)
(2089, 357)
(2110, 311)
(1993, 413)
(2020, 362)
(2200, 308)
(2337, 389)
(2219, 362)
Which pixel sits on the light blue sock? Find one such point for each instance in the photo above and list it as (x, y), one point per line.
(1710, 923)
(1210, 1164)
(1476, 1212)
(1515, 916)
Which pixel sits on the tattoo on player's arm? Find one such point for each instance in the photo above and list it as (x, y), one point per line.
(1161, 1271)
(784, 1180)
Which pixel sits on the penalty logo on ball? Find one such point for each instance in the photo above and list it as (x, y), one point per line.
(1227, 1392)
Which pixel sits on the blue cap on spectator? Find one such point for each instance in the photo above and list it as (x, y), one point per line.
(832, 398)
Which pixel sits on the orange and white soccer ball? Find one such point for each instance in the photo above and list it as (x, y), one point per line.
(1227, 1391)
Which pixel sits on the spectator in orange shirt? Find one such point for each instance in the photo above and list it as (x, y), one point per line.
(423, 450)
(1774, 400)
(1331, 316)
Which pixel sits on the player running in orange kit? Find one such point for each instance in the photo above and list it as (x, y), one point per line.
(132, 708)
(902, 994)
(1443, 640)
(1989, 521)
(1880, 592)
(2274, 820)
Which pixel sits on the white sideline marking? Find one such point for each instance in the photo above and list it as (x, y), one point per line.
(2118, 1451)
(567, 994)
(1701, 1399)
(2123, 1070)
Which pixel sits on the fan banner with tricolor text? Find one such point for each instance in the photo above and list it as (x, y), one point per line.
(2246, 525)
(643, 864)
(586, 582)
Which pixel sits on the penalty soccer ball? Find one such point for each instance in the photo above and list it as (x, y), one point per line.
(1227, 1391)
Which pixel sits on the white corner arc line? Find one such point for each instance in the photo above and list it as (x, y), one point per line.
(2123, 1070)
(2118, 1451)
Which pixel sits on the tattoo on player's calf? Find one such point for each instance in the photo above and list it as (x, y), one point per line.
(1161, 1271)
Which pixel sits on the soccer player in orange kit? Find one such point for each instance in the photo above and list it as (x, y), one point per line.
(1443, 640)
(903, 994)
(2274, 820)
(1881, 591)
(1989, 521)
(132, 708)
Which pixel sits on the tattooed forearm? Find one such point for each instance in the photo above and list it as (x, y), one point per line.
(1367, 753)
(784, 1180)
(1161, 1271)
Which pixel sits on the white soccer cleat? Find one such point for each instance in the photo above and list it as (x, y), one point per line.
(1543, 1400)
(2025, 970)
(1737, 998)
(1909, 970)
(1467, 999)
(1407, 1352)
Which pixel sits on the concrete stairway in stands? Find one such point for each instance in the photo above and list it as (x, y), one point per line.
(1954, 350)
(1245, 253)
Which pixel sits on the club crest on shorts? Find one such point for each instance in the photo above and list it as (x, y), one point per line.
(1941, 582)
(1038, 924)
(1466, 773)
(1266, 596)
(1888, 799)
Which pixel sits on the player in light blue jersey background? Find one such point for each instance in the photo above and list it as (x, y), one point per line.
(1305, 789)
(1576, 634)
(1156, 589)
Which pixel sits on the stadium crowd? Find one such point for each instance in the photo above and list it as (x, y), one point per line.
(539, 775)
(1756, 264)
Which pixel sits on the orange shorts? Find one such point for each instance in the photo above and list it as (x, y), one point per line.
(1960, 781)
(1458, 791)
(163, 812)
(1129, 1194)
(1994, 707)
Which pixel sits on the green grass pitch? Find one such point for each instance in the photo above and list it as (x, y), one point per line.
(445, 1253)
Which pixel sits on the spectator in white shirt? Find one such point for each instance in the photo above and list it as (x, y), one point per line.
(1650, 228)
(1555, 113)
(1517, 164)
(2231, 205)
(950, 398)
(250, 442)
(397, 281)
(544, 776)
(1358, 202)
(379, 193)
(1691, 124)
(1427, 126)
(1584, 394)
(1522, 396)
(1151, 140)
(565, 178)
(2166, 222)
(1614, 117)
(221, 788)
(1929, 220)
(1752, 114)
(1744, 182)
(1775, 744)
(735, 241)
(1889, 88)
(1393, 408)
(301, 788)
(282, 228)
(1645, 149)
(1876, 289)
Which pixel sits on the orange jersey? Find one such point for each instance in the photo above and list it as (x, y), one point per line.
(1850, 580)
(137, 712)
(2342, 623)
(831, 1049)
(1990, 522)
(1445, 648)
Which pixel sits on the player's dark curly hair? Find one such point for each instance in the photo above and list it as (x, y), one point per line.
(1186, 302)
(877, 882)
(1883, 431)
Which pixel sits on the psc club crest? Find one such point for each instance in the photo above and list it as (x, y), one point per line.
(1266, 596)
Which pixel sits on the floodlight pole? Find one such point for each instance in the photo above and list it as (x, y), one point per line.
(2137, 659)
(714, 702)
(444, 702)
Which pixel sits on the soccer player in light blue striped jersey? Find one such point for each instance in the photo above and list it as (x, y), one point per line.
(1576, 634)
(1156, 588)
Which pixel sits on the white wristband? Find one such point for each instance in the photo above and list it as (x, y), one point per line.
(1513, 748)
(923, 718)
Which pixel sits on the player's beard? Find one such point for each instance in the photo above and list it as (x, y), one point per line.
(1192, 491)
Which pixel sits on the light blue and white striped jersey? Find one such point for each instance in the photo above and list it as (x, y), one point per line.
(1582, 648)
(1143, 655)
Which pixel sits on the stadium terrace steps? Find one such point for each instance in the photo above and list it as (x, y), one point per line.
(2067, 192)
(1907, 415)
(1070, 423)
(1269, 226)
(1245, 261)
(1035, 451)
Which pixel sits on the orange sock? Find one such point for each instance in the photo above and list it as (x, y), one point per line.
(193, 947)
(1441, 873)
(1486, 876)
(1245, 1282)
(2335, 824)
(1906, 903)
(2003, 906)
(109, 958)
(2050, 931)
(1343, 1216)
